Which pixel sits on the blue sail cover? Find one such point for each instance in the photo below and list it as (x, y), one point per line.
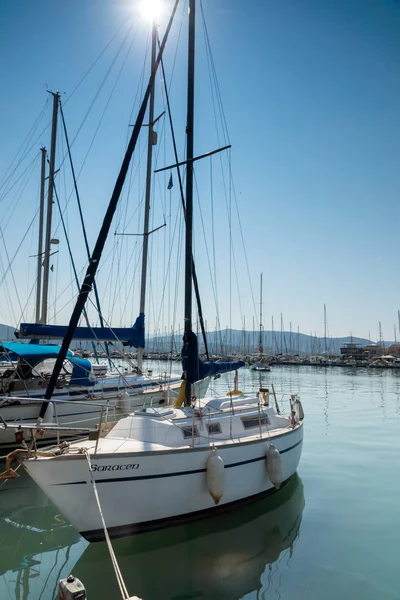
(210, 369)
(129, 336)
(195, 368)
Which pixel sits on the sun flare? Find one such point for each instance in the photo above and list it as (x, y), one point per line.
(150, 9)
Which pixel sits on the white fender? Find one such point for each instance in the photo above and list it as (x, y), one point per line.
(298, 407)
(49, 415)
(274, 466)
(124, 402)
(215, 476)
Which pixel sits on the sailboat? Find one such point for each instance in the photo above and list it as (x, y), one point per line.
(162, 466)
(260, 365)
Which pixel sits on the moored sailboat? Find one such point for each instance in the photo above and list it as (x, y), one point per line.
(161, 466)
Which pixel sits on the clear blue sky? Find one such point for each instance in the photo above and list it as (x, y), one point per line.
(311, 94)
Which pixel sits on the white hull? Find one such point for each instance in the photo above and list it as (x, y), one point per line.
(152, 489)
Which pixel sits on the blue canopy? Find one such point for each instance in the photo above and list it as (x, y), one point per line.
(82, 373)
(129, 336)
(196, 369)
(30, 353)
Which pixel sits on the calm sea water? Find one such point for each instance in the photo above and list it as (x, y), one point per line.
(333, 532)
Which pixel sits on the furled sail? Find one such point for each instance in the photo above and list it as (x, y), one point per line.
(195, 369)
(129, 336)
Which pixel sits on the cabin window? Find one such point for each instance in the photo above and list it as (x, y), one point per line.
(188, 431)
(214, 428)
(250, 422)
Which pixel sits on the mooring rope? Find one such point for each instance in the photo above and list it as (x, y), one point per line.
(118, 574)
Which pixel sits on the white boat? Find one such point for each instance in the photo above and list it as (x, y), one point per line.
(155, 468)
(259, 366)
(23, 385)
(78, 393)
(162, 466)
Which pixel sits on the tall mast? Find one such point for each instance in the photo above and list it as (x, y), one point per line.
(398, 318)
(40, 239)
(273, 334)
(56, 99)
(260, 345)
(150, 143)
(189, 185)
(325, 329)
(298, 340)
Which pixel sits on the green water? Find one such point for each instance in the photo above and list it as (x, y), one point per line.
(333, 532)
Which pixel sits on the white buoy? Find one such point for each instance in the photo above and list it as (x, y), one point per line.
(124, 402)
(49, 414)
(215, 476)
(274, 466)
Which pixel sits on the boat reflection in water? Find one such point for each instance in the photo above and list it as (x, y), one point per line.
(37, 545)
(222, 557)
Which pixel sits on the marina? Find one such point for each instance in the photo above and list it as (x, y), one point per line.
(312, 539)
(207, 160)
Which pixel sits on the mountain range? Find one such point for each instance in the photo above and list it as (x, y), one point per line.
(230, 341)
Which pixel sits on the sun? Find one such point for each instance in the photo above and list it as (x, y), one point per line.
(150, 9)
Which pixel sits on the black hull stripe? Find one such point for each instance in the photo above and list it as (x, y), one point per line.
(178, 473)
(97, 535)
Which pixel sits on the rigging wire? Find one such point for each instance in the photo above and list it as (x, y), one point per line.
(82, 223)
(97, 60)
(194, 275)
(103, 112)
(213, 75)
(105, 78)
(15, 200)
(34, 127)
(10, 304)
(153, 310)
(26, 170)
(26, 141)
(11, 261)
(85, 315)
(119, 247)
(12, 273)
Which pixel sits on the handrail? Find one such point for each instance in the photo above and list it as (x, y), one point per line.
(45, 427)
(56, 401)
